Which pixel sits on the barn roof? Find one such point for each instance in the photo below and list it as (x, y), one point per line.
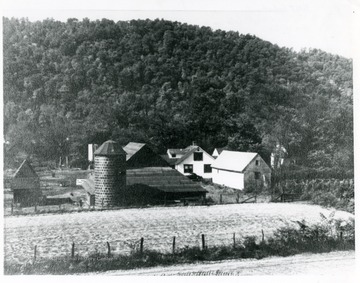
(131, 148)
(88, 185)
(234, 160)
(110, 148)
(25, 170)
(164, 179)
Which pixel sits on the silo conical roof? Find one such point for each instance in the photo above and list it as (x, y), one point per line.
(110, 148)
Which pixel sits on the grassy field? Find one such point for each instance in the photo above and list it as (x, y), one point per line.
(54, 234)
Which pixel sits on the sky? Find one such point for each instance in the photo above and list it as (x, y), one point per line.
(324, 24)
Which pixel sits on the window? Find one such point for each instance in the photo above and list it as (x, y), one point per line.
(257, 175)
(188, 168)
(198, 156)
(257, 162)
(173, 155)
(207, 168)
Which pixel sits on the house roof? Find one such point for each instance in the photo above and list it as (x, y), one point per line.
(234, 160)
(170, 161)
(164, 179)
(186, 155)
(131, 148)
(25, 170)
(219, 149)
(189, 150)
(110, 148)
(191, 147)
(177, 150)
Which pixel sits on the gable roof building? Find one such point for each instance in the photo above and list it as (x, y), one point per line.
(139, 155)
(234, 160)
(192, 160)
(149, 179)
(240, 170)
(26, 184)
(25, 170)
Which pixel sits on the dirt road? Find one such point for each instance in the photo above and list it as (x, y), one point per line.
(328, 264)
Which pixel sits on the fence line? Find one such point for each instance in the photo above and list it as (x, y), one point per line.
(172, 244)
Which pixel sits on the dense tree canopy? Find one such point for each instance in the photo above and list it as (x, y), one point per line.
(168, 84)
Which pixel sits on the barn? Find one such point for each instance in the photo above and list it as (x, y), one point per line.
(26, 185)
(139, 155)
(241, 170)
(150, 180)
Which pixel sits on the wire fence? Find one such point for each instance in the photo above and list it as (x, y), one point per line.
(38, 250)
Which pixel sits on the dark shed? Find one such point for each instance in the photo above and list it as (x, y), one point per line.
(26, 185)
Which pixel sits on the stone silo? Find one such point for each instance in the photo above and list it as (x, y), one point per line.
(110, 174)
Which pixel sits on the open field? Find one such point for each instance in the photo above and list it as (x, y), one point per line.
(54, 234)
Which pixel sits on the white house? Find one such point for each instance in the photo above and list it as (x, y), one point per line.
(239, 170)
(192, 159)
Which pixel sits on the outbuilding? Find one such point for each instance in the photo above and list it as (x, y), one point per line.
(150, 180)
(241, 170)
(139, 155)
(26, 185)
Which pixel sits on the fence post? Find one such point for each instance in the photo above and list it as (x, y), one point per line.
(12, 208)
(263, 235)
(203, 241)
(108, 247)
(234, 240)
(141, 245)
(173, 245)
(35, 207)
(35, 248)
(237, 198)
(220, 198)
(73, 250)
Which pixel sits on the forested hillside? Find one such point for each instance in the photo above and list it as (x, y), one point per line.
(168, 84)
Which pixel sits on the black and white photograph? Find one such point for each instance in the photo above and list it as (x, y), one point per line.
(179, 138)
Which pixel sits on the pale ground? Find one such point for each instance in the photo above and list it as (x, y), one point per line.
(54, 234)
(340, 264)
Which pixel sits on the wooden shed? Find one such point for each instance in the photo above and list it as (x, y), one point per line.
(26, 185)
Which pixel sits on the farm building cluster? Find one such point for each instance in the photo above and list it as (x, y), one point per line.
(135, 174)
